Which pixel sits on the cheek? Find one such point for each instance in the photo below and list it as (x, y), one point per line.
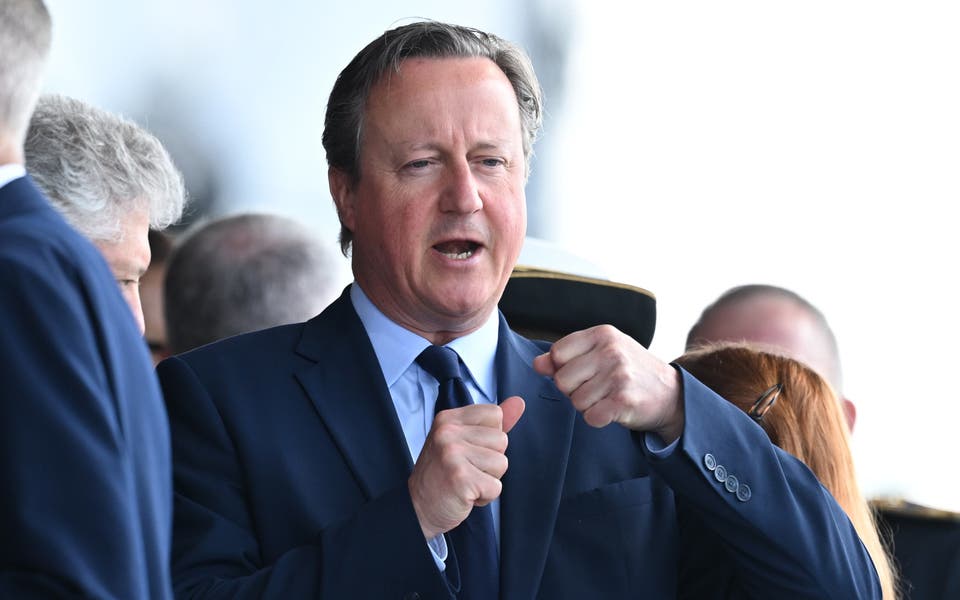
(132, 295)
(384, 209)
(512, 219)
(405, 221)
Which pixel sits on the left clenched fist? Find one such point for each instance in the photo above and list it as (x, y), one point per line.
(611, 378)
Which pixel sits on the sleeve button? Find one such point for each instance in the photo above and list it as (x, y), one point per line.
(744, 493)
(720, 473)
(732, 484)
(709, 461)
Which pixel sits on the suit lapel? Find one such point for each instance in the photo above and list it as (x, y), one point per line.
(351, 397)
(538, 449)
(360, 417)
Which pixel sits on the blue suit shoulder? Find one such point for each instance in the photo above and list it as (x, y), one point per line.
(79, 398)
(34, 238)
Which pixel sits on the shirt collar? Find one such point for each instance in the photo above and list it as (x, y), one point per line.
(397, 348)
(10, 172)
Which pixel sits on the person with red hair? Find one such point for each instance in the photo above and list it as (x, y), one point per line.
(800, 413)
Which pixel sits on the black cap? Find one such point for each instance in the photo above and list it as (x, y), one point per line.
(547, 304)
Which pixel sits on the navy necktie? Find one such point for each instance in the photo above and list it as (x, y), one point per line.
(474, 540)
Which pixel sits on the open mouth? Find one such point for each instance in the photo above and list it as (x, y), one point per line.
(457, 249)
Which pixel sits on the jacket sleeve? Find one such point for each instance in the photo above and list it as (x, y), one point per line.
(756, 515)
(378, 551)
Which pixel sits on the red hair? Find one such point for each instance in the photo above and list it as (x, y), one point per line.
(806, 421)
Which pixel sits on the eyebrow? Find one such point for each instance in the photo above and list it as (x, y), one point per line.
(128, 266)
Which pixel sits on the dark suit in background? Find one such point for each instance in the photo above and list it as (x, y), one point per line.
(291, 471)
(926, 545)
(85, 461)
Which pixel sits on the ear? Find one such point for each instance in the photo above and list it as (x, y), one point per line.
(850, 412)
(341, 188)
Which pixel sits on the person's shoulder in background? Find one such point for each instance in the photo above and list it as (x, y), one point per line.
(926, 544)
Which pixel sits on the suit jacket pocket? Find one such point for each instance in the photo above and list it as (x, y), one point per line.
(607, 499)
(611, 541)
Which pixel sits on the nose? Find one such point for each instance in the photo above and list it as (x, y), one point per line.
(132, 297)
(461, 193)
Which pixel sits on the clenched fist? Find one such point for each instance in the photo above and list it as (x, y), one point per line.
(612, 378)
(461, 463)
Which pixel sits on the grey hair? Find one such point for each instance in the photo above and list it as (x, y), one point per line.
(97, 167)
(243, 273)
(25, 33)
(343, 125)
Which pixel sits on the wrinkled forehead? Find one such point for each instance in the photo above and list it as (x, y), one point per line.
(437, 98)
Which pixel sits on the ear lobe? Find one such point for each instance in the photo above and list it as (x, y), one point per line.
(341, 189)
(850, 412)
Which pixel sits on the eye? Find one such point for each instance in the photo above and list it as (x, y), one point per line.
(418, 164)
(128, 283)
(493, 162)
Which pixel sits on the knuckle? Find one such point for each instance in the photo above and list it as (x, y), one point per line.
(613, 354)
(449, 455)
(606, 331)
(500, 466)
(459, 474)
(492, 489)
(444, 434)
(620, 378)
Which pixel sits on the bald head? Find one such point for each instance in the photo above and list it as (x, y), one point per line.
(776, 319)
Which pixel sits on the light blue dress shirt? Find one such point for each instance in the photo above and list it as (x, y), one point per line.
(414, 391)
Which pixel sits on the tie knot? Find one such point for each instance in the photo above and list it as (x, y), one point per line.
(441, 362)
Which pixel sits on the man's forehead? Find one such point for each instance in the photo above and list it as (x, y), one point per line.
(125, 257)
(422, 74)
(130, 255)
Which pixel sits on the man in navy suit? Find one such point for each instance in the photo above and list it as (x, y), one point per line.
(307, 459)
(85, 461)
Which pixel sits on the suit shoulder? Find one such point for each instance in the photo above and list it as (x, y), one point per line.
(255, 345)
(44, 244)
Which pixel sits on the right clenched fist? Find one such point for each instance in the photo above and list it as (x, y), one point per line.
(461, 463)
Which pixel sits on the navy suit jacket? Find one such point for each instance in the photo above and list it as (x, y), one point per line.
(926, 546)
(86, 507)
(290, 479)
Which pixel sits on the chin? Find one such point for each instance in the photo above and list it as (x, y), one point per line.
(467, 306)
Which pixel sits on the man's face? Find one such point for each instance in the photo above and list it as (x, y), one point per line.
(128, 260)
(439, 213)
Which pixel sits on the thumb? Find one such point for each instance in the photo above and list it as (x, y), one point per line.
(512, 408)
